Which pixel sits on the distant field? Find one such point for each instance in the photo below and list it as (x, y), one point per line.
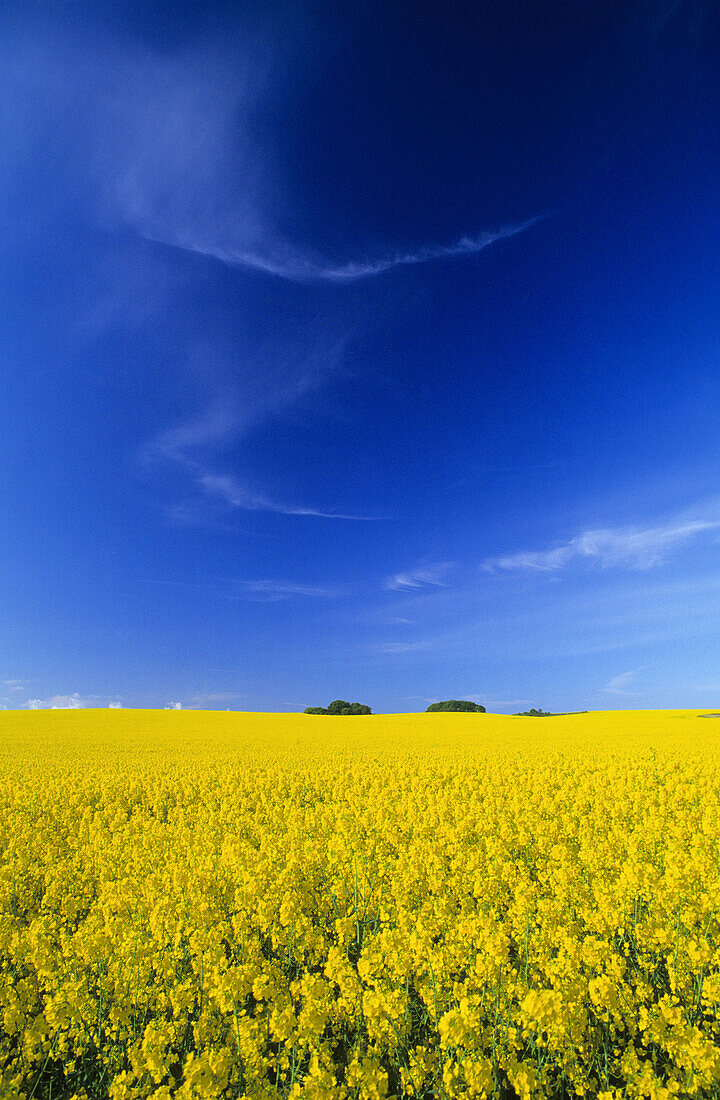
(440, 905)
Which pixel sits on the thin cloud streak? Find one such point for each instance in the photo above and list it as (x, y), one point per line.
(203, 699)
(233, 589)
(629, 547)
(230, 414)
(623, 683)
(273, 591)
(425, 576)
(170, 150)
(234, 495)
(562, 622)
(300, 267)
(501, 702)
(418, 646)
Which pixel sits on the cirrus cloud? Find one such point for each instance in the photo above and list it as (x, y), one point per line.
(629, 547)
(423, 576)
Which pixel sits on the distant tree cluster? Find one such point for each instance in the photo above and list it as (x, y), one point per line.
(340, 706)
(533, 713)
(456, 704)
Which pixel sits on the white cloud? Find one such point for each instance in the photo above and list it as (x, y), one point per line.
(402, 647)
(270, 590)
(299, 266)
(628, 547)
(204, 699)
(241, 400)
(176, 137)
(627, 611)
(60, 702)
(491, 703)
(425, 576)
(623, 684)
(173, 706)
(166, 143)
(74, 701)
(280, 590)
(169, 144)
(483, 700)
(233, 494)
(14, 685)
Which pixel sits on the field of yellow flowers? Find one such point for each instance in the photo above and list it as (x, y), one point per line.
(446, 905)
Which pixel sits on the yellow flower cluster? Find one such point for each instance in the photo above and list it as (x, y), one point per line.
(448, 905)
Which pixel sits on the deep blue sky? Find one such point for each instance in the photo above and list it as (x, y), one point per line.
(370, 355)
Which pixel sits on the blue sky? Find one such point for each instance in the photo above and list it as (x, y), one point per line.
(364, 351)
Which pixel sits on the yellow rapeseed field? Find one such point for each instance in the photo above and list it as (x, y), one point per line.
(257, 905)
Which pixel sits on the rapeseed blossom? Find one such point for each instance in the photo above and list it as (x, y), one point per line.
(271, 906)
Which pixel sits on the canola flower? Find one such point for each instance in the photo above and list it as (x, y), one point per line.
(264, 906)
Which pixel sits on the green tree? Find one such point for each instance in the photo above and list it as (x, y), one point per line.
(456, 704)
(340, 706)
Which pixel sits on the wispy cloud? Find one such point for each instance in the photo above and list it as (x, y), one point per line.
(170, 148)
(14, 685)
(183, 141)
(396, 648)
(483, 700)
(208, 698)
(492, 703)
(75, 701)
(289, 263)
(246, 385)
(628, 547)
(232, 588)
(424, 576)
(239, 402)
(228, 489)
(166, 144)
(273, 591)
(621, 611)
(623, 684)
